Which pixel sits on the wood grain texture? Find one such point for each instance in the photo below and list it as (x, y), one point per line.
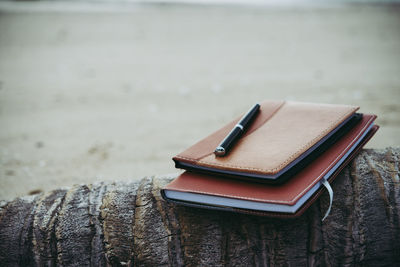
(118, 224)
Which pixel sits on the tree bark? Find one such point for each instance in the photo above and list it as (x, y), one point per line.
(129, 224)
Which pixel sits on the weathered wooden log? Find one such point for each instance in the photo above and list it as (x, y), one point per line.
(129, 224)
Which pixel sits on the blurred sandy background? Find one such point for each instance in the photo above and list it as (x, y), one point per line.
(96, 91)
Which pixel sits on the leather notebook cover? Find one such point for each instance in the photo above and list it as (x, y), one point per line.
(288, 193)
(281, 133)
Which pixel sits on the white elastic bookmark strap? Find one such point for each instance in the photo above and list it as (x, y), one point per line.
(330, 191)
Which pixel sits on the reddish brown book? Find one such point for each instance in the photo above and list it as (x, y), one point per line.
(284, 137)
(289, 199)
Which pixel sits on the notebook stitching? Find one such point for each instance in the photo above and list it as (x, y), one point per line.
(339, 156)
(310, 185)
(282, 164)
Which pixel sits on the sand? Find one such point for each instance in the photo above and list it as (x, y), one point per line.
(113, 94)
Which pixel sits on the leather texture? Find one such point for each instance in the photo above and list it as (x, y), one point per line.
(288, 193)
(317, 194)
(281, 132)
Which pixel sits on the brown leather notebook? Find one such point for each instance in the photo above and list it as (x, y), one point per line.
(289, 199)
(282, 139)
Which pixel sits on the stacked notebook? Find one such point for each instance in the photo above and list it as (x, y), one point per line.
(279, 166)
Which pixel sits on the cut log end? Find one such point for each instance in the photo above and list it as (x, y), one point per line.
(130, 224)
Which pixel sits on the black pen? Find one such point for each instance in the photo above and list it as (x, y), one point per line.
(236, 132)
